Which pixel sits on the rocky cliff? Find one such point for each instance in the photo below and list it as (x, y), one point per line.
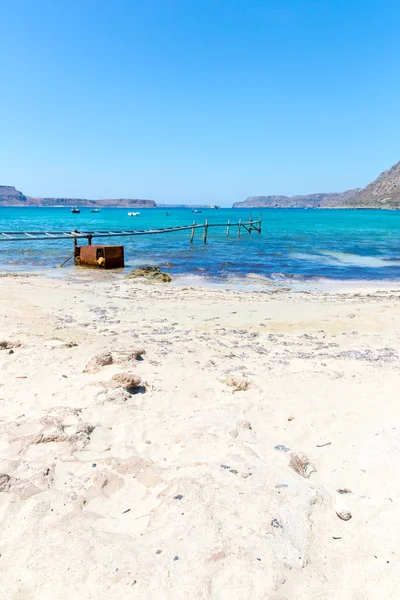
(82, 202)
(384, 192)
(9, 196)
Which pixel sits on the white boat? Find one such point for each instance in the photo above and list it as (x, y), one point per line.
(214, 206)
(95, 210)
(75, 210)
(133, 214)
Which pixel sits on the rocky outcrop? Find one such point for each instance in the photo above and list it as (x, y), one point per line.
(150, 274)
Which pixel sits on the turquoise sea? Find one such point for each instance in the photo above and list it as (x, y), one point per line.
(294, 244)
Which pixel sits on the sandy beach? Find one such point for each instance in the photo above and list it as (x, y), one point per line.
(224, 445)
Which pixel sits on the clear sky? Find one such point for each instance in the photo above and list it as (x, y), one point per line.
(197, 100)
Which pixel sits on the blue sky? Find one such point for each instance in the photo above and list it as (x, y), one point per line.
(197, 100)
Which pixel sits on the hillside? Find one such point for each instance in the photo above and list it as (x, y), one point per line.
(9, 196)
(306, 201)
(384, 192)
(82, 202)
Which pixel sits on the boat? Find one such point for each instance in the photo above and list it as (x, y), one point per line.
(75, 210)
(95, 210)
(194, 210)
(133, 214)
(215, 206)
(167, 214)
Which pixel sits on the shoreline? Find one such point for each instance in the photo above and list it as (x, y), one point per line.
(250, 283)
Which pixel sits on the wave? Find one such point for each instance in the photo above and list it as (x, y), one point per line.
(332, 258)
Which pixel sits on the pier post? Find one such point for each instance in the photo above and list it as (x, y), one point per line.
(239, 225)
(228, 227)
(193, 230)
(205, 231)
(251, 222)
(89, 239)
(259, 225)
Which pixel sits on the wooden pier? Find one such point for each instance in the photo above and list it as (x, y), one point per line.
(75, 235)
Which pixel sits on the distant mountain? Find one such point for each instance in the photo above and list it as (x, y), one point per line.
(384, 192)
(82, 202)
(308, 201)
(9, 196)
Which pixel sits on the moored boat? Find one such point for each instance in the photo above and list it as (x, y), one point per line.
(133, 214)
(75, 210)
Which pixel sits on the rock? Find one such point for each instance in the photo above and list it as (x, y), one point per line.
(5, 484)
(238, 384)
(128, 381)
(6, 345)
(138, 353)
(245, 425)
(344, 514)
(98, 361)
(290, 418)
(275, 523)
(149, 273)
(282, 448)
(301, 464)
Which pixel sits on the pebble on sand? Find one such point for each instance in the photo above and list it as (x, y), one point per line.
(128, 381)
(281, 448)
(344, 514)
(7, 345)
(98, 361)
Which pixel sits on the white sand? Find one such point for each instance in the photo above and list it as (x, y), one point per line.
(178, 492)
